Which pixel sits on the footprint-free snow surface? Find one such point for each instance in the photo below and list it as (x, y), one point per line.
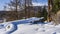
(25, 27)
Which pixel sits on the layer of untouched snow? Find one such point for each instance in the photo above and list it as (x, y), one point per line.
(25, 27)
(37, 29)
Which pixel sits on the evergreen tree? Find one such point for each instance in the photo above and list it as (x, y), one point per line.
(56, 6)
(44, 13)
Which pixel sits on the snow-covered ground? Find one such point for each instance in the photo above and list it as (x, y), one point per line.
(25, 27)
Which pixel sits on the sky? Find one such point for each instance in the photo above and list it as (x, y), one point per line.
(35, 3)
(40, 2)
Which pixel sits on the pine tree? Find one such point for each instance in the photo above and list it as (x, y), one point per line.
(55, 10)
(56, 6)
(44, 13)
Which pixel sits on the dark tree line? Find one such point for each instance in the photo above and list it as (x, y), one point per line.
(23, 8)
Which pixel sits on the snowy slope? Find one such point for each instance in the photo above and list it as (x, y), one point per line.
(37, 29)
(24, 27)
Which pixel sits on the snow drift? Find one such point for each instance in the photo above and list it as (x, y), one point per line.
(25, 27)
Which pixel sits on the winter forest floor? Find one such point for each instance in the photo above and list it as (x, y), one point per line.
(25, 27)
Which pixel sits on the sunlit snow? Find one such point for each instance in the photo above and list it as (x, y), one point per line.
(25, 27)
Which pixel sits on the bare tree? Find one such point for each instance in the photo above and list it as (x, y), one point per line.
(4, 8)
(15, 6)
(28, 4)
